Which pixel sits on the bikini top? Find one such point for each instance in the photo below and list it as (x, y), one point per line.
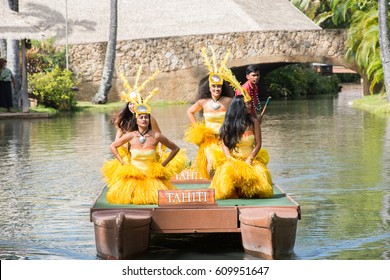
(245, 146)
(214, 119)
(140, 157)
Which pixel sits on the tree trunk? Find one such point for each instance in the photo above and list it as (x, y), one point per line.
(24, 100)
(384, 42)
(101, 97)
(13, 60)
(3, 48)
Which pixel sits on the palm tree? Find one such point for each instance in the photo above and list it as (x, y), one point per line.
(13, 59)
(328, 14)
(101, 97)
(363, 45)
(3, 48)
(383, 20)
(361, 19)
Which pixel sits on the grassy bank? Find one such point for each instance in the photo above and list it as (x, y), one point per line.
(375, 104)
(89, 106)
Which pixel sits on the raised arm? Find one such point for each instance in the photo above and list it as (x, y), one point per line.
(117, 143)
(196, 107)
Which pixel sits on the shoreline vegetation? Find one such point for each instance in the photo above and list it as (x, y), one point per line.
(82, 106)
(89, 106)
(374, 104)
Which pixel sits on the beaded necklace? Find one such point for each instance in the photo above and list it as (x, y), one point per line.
(256, 107)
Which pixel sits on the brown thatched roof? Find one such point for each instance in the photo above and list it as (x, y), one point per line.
(17, 26)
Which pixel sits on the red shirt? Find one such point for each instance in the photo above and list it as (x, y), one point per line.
(253, 91)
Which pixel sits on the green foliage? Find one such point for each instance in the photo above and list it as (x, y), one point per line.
(320, 12)
(308, 7)
(332, 14)
(54, 89)
(348, 78)
(361, 19)
(363, 46)
(43, 56)
(49, 82)
(296, 81)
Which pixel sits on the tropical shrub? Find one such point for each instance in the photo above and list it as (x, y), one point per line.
(53, 89)
(299, 80)
(43, 56)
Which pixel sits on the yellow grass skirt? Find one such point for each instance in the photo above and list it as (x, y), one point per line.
(234, 178)
(111, 166)
(131, 185)
(202, 136)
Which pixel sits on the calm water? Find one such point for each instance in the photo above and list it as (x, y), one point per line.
(330, 157)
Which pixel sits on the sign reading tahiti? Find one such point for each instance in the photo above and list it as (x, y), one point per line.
(188, 175)
(198, 197)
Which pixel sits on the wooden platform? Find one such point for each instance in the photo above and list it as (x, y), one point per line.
(267, 226)
(19, 115)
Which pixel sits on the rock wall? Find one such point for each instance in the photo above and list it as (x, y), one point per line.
(181, 64)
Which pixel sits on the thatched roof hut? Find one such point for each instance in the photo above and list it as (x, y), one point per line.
(88, 20)
(15, 26)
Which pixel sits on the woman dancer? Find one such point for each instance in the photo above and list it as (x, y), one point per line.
(139, 178)
(213, 99)
(241, 172)
(125, 122)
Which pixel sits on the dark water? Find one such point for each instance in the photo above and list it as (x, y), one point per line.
(330, 157)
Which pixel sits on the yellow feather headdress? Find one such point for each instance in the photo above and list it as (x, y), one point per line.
(215, 75)
(132, 94)
(229, 77)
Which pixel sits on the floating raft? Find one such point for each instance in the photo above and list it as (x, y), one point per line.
(267, 226)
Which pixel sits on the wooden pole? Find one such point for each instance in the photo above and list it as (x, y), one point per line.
(265, 106)
(24, 92)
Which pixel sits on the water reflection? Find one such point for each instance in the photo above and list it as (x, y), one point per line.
(330, 157)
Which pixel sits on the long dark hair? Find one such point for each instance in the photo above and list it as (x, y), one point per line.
(204, 90)
(237, 119)
(122, 120)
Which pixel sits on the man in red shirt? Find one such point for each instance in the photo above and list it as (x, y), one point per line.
(253, 76)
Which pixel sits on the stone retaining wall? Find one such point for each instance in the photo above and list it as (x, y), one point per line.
(181, 64)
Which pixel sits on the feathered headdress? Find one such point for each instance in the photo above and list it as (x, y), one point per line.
(132, 94)
(229, 77)
(215, 75)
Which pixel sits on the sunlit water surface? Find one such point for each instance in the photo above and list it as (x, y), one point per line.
(329, 157)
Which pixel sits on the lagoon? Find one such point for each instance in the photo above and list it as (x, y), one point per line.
(330, 157)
